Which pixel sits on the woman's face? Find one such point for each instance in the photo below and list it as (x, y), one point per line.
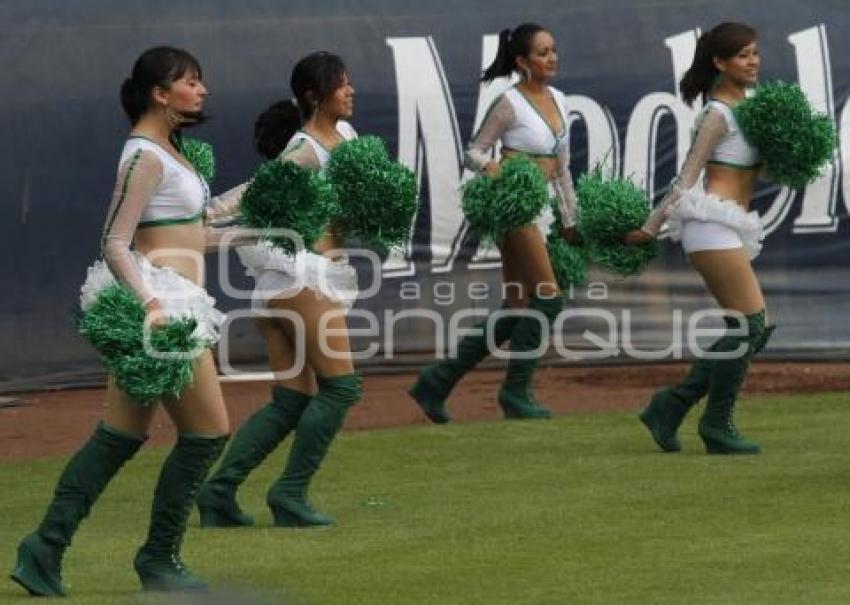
(542, 62)
(743, 67)
(186, 94)
(340, 103)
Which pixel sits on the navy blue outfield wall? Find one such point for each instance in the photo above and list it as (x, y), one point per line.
(415, 67)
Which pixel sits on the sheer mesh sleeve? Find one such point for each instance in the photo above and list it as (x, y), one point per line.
(138, 179)
(301, 152)
(499, 118)
(567, 201)
(237, 236)
(710, 130)
(226, 205)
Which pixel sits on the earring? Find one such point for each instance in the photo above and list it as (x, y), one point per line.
(173, 117)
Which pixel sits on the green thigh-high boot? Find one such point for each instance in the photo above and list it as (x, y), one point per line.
(716, 428)
(437, 380)
(515, 396)
(158, 561)
(39, 565)
(669, 405)
(252, 443)
(319, 424)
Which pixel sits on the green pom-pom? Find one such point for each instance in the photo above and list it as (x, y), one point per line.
(624, 260)
(794, 141)
(114, 326)
(569, 261)
(200, 155)
(610, 208)
(283, 195)
(377, 196)
(494, 206)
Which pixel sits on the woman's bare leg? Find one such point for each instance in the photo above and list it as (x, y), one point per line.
(527, 258)
(329, 354)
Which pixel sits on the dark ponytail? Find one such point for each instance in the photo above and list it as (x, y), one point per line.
(512, 44)
(275, 127)
(503, 64)
(159, 66)
(133, 100)
(723, 42)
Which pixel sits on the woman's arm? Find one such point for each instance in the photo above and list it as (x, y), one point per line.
(226, 205)
(499, 118)
(567, 199)
(138, 179)
(710, 132)
(302, 153)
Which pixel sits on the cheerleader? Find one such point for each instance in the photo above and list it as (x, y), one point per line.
(529, 118)
(720, 236)
(313, 284)
(157, 207)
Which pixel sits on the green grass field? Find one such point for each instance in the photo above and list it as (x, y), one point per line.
(581, 509)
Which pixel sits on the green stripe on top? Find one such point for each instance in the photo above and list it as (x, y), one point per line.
(732, 165)
(487, 115)
(172, 221)
(125, 185)
(530, 154)
(187, 165)
(537, 111)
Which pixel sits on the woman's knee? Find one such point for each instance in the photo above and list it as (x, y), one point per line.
(345, 389)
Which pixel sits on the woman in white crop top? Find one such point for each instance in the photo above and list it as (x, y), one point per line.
(720, 236)
(157, 207)
(314, 286)
(530, 118)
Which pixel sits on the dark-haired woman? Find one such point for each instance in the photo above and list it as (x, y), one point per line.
(319, 286)
(529, 118)
(720, 237)
(157, 208)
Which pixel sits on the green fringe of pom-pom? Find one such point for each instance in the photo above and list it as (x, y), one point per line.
(569, 261)
(200, 155)
(794, 141)
(114, 326)
(494, 206)
(284, 195)
(610, 208)
(377, 196)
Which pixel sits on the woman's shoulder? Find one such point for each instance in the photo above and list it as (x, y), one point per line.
(503, 105)
(558, 94)
(346, 130)
(722, 108)
(143, 153)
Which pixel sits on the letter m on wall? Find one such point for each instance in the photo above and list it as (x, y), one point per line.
(429, 144)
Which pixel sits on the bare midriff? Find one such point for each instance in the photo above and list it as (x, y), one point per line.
(180, 247)
(549, 165)
(730, 183)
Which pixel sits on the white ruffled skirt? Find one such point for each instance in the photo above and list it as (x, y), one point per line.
(279, 274)
(704, 221)
(179, 297)
(545, 218)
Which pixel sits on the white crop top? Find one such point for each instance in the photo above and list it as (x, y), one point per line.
(302, 149)
(297, 141)
(530, 132)
(733, 149)
(182, 194)
(716, 139)
(513, 120)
